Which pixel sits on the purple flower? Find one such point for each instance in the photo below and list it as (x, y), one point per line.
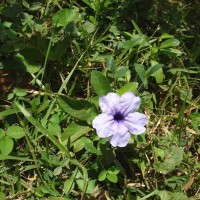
(119, 118)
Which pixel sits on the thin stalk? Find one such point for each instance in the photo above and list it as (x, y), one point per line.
(149, 195)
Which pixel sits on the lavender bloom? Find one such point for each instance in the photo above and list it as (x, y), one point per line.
(119, 118)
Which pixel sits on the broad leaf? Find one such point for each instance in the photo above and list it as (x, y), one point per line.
(88, 144)
(173, 158)
(2, 133)
(110, 64)
(64, 17)
(90, 187)
(112, 178)
(54, 129)
(129, 87)
(100, 83)
(79, 109)
(140, 70)
(78, 145)
(15, 132)
(68, 185)
(29, 65)
(19, 92)
(121, 71)
(6, 145)
(153, 69)
(74, 131)
(102, 175)
(171, 52)
(169, 43)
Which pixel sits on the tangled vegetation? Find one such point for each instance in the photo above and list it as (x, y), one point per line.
(58, 57)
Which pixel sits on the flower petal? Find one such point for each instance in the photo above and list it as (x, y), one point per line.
(120, 140)
(118, 128)
(103, 123)
(109, 103)
(136, 129)
(136, 118)
(135, 123)
(129, 103)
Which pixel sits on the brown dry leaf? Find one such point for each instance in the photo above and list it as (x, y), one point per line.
(189, 184)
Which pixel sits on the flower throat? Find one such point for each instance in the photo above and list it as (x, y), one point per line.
(118, 116)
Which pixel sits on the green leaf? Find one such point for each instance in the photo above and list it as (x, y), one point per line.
(175, 70)
(128, 44)
(2, 133)
(91, 5)
(163, 194)
(121, 71)
(78, 145)
(74, 131)
(169, 43)
(30, 58)
(112, 178)
(166, 36)
(195, 116)
(140, 139)
(89, 27)
(68, 185)
(15, 132)
(156, 71)
(113, 170)
(58, 198)
(153, 69)
(88, 144)
(57, 171)
(141, 72)
(19, 92)
(64, 17)
(8, 112)
(173, 158)
(29, 65)
(80, 109)
(6, 157)
(159, 152)
(178, 196)
(129, 87)
(100, 84)
(10, 96)
(171, 52)
(54, 129)
(90, 187)
(35, 6)
(2, 196)
(6, 145)
(136, 40)
(102, 175)
(110, 64)
(32, 54)
(136, 27)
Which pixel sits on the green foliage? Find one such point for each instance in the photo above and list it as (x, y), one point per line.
(6, 144)
(80, 109)
(100, 83)
(15, 132)
(58, 58)
(64, 17)
(174, 158)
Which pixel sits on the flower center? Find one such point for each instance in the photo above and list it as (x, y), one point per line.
(118, 116)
